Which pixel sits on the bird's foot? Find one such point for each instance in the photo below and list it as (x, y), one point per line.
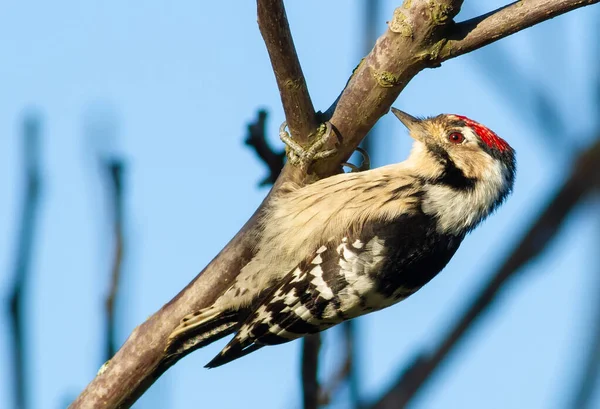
(302, 157)
(364, 165)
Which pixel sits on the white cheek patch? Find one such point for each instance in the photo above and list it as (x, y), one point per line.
(460, 210)
(470, 135)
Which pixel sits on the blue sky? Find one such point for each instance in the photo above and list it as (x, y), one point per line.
(179, 82)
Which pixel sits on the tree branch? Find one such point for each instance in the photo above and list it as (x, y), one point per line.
(345, 373)
(587, 379)
(421, 35)
(584, 178)
(114, 168)
(257, 139)
(26, 235)
(478, 32)
(311, 345)
(297, 105)
(417, 34)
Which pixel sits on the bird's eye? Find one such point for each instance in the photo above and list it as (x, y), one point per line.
(456, 137)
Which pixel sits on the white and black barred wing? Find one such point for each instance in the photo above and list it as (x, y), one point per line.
(337, 283)
(345, 279)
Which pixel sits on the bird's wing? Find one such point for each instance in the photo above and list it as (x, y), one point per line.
(337, 282)
(367, 270)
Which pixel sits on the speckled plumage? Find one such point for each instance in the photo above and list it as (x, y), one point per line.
(355, 243)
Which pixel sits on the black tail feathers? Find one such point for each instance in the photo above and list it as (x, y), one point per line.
(232, 351)
(201, 329)
(207, 326)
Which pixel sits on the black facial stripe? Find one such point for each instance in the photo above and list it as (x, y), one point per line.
(494, 153)
(455, 178)
(507, 157)
(452, 175)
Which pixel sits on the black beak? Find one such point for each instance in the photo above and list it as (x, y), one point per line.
(412, 124)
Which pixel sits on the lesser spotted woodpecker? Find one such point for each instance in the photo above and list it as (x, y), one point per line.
(357, 242)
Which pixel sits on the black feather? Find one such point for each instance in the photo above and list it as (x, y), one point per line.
(208, 332)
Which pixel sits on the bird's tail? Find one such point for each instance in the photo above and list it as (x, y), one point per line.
(202, 328)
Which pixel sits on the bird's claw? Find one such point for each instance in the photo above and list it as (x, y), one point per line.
(365, 164)
(302, 157)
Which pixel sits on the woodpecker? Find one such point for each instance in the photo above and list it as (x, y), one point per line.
(356, 242)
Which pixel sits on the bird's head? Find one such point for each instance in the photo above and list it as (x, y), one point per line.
(465, 164)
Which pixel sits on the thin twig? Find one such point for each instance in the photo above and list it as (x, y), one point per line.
(419, 29)
(297, 105)
(26, 235)
(585, 176)
(311, 344)
(114, 169)
(488, 28)
(352, 364)
(257, 139)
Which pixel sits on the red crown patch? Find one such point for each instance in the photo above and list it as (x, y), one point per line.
(487, 135)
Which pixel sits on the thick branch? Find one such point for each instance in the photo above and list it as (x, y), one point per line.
(584, 178)
(417, 33)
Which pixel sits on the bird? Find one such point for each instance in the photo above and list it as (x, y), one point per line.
(356, 242)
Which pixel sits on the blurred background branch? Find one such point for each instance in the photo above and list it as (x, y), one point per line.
(25, 239)
(113, 169)
(588, 378)
(345, 372)
(258, 141)
(311, 345)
